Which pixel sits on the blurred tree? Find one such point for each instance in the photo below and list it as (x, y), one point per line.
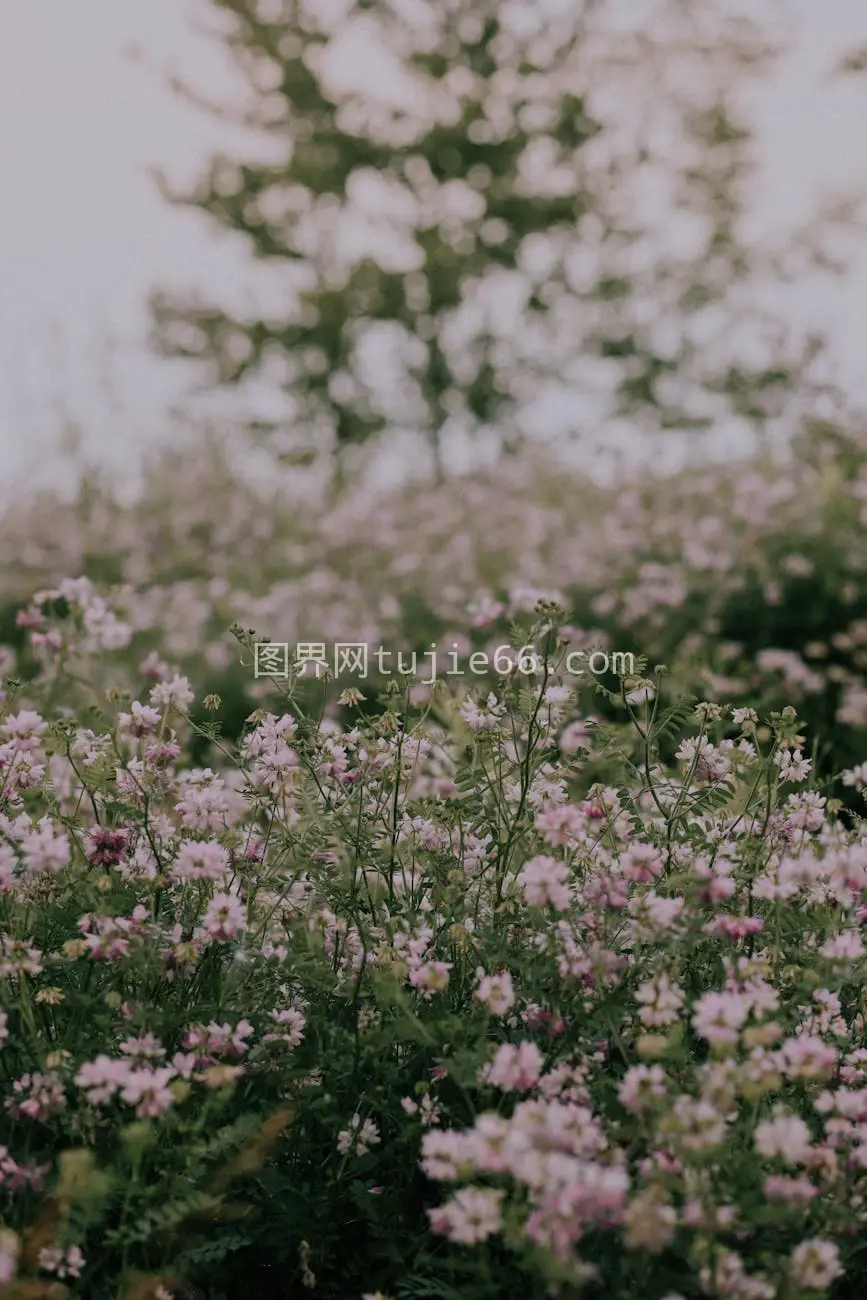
(479, 204)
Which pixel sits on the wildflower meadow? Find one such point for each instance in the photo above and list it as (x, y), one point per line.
(433, 862)
(525, 983)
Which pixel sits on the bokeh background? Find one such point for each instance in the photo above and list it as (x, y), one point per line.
(86, 111)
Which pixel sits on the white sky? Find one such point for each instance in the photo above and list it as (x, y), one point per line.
(84, 235)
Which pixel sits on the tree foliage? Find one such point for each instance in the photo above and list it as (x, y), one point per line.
(490, 217)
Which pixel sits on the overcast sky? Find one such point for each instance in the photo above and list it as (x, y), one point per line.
(84, 235)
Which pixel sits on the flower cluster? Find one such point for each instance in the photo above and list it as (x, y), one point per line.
(461, 992)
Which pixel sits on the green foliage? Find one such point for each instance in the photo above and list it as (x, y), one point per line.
(504, 203)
